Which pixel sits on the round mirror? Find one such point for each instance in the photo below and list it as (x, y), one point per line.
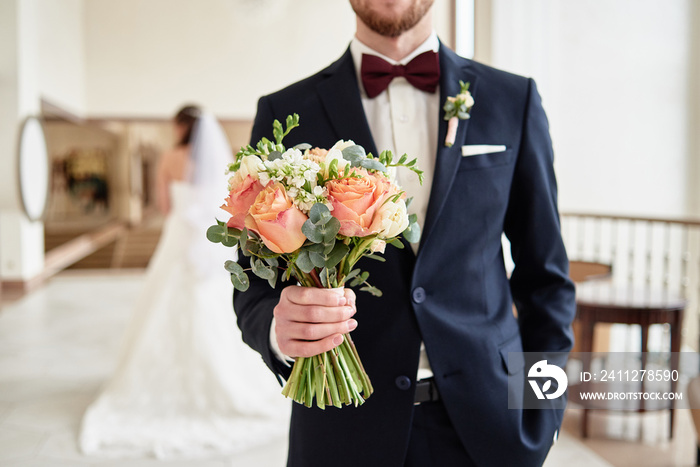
(33, 169)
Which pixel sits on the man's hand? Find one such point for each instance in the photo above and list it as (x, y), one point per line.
(310, 321)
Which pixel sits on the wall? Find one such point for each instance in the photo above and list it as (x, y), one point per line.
(146, 58)
(615, 81)
(42, 57)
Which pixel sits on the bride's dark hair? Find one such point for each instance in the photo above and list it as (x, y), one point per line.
(187, 116)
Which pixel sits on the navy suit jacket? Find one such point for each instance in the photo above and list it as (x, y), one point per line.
(455, 294)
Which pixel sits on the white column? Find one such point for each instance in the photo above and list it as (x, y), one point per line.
(21, 241)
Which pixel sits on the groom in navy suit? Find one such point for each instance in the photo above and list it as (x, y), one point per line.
(436, 344)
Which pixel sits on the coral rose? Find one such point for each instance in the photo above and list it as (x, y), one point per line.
(240, 198)
(274, 217)
(355, 201)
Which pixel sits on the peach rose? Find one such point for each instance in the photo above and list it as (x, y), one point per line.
(240, 198)
(275, 218)
(355, 201)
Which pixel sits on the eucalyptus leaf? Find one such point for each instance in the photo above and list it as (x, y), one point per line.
(233, 267)
(272, 262)
(372, 164)
(339, 252)
(318, 259)
(303, 262)
(352, 274)
(302, 146)
(371, 289)
(354, 153)
(241, 282)
(229, 241)
(274, 155)
(221, 223)
(412, 233)
(216, 233)
(260, 270)
(273, 280)
(312, 232)
(319, 214)
(330, 230)
(238, 276)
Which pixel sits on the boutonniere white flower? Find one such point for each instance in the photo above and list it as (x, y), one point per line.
(457, 108)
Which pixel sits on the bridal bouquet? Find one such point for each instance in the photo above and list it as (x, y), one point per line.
(311, 214)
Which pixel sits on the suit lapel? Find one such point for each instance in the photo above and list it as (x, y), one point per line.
(452, 69)
(340, 96)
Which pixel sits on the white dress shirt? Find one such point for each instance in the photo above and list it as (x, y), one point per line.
(404, 120)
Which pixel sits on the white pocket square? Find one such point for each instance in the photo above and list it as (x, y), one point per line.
(476, 149)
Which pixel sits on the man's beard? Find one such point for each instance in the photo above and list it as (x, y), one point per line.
(392, 27)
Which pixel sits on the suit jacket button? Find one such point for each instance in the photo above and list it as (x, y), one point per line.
(418, 295)
(403, 382)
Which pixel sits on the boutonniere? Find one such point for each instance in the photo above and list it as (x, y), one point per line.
(457, 108)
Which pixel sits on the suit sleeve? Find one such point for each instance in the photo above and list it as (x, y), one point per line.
(540, 284)
(254, 307)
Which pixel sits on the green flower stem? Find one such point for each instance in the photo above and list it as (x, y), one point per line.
(366, 384)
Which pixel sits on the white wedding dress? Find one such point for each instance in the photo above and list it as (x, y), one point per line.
(186, 385)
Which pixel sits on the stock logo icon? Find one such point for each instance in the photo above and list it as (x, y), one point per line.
(542, 370)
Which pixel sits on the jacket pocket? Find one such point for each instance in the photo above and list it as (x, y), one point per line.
(515, 362)
(486, 161)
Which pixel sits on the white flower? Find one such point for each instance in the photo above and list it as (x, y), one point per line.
(390, 219)
(377, 246)
(340, 145)
(250, 165)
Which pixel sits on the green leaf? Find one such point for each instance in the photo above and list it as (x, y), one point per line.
(339, 252)
(221, 223)
(376, 257)
(354, 153)
(319, 213)
(233, 267)
(372, 289)
(408, 201)
(231, 237)
(412, 233)
(304, 262)
(372, 164)
(274, 155)
(330, 230)
(352, 274)
(412, 218)
(241, 282)
(272, 262)
(360, 279)
(302, 146)
(260, 270)
(243, 241)
(216, 233)
(312, 232)
(318, 259)
(238, 276)
(273, 280)
(397, 243)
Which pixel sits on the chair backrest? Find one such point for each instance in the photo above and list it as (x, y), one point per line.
(581, 271)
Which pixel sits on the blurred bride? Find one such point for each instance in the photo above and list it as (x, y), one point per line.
(186, 385)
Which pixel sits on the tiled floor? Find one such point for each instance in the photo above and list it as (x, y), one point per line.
(59, 343)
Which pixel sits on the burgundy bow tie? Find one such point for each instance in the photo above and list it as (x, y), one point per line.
(423, 72)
